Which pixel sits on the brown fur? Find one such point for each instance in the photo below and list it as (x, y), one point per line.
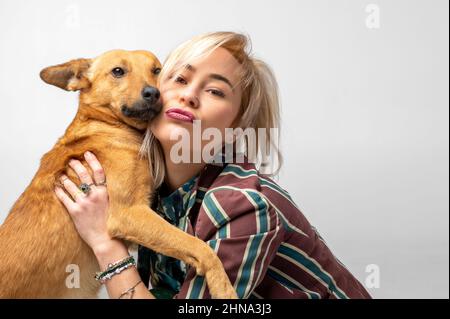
(38, 239)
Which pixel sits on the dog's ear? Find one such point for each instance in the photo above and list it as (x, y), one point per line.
(70, 76)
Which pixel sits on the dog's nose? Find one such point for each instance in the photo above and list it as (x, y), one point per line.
(150, 94)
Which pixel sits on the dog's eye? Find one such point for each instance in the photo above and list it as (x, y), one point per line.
(156, 71)
(118, 72)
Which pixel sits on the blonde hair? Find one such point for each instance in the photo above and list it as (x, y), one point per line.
(259, 104)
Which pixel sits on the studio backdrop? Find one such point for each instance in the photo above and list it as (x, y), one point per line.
(364, 96)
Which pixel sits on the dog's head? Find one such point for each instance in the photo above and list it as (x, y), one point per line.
(124, 81)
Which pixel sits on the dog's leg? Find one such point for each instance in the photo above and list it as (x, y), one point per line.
(141, 225)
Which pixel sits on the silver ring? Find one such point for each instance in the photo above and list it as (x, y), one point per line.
(85, 188)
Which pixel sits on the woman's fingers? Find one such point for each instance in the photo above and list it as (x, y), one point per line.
(81, 171)
(99, 174)
(65, 199)
(71, 188)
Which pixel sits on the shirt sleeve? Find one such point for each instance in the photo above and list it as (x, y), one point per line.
(244, 231)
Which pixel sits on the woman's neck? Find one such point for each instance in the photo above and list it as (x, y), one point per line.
(179, 173)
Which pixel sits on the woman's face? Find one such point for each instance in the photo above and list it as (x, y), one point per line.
(205, 91)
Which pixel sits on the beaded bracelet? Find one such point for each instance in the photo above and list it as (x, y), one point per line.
(115, 268)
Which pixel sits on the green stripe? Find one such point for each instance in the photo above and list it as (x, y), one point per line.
(245, 275)
(239, 171)
(262, 207)
(305, 261)
(277, 187)
(256, 241)
(219, 218)
(242, 173)
(285, 224)
(291, 285)
(191, 202)
(223, 232)
(196, 288)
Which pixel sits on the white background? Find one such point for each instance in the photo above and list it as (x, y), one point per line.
(364, 110)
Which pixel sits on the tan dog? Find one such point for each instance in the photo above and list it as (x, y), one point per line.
(38, 239)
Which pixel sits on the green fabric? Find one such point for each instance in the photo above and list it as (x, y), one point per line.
(162, 293)
(167, 274)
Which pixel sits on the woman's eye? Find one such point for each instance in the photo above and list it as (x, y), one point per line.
(118, 72)
(217, 92)
(179, 79)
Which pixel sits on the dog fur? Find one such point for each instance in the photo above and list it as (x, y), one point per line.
(38, 238)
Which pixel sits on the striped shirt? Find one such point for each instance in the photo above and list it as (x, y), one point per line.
(266, 245)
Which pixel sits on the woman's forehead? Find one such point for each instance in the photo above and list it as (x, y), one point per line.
(219, 61)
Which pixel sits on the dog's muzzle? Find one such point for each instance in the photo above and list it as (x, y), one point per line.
(142, 110)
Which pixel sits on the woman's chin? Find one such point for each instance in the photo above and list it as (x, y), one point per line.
(172, 132)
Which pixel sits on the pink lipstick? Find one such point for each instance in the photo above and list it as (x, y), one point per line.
(179, 114)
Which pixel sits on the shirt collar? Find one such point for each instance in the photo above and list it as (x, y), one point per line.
(176, 203)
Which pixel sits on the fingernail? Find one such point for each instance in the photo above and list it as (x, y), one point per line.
(88, 153)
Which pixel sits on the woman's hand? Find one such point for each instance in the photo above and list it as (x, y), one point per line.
(89, 211)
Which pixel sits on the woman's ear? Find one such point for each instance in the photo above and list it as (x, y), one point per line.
(70, 76)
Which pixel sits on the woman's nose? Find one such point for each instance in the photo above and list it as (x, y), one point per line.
(189, 97)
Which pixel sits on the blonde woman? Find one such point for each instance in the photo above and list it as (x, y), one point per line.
(212, 83)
